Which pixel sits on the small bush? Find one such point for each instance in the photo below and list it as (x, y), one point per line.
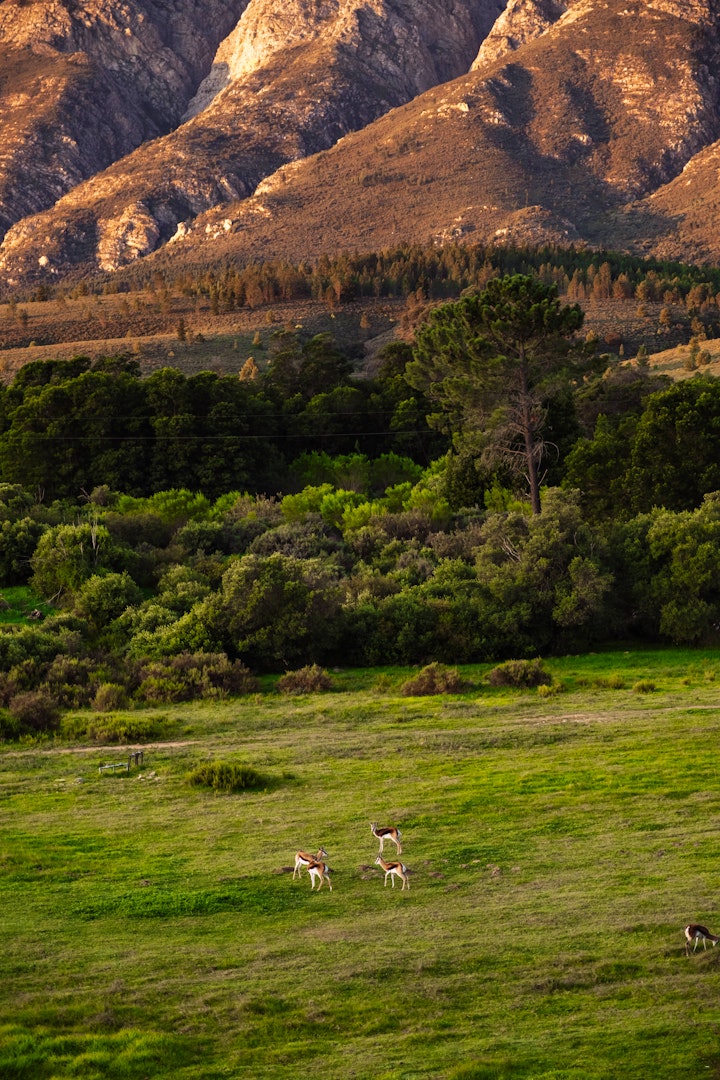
(108, 697)
(225, 776)
(307, 680)
(610, 682)
(519, 673)
(644, 686)
(550, 689)
(433, 679)
(383, 684)
(34, 711)
(10, 726)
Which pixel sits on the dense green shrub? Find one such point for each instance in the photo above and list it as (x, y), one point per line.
(307, 680)
(38, 643)
(103, 597)
(226, 776)
(279, 610)
(70, 681)
(109, 696)
(226, 536)
(10, 726)
(194, 675)
(137, 527)
(34, 711)
(67, 555)
(433, 679)
(520, 673)
(18, 540)
(307, 539)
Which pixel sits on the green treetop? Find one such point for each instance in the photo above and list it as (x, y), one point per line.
(490, 360)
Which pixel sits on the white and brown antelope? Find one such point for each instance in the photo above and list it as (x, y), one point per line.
(319, 871)
(389, 833)
(394, 870)
(695, 933)
(303, 858)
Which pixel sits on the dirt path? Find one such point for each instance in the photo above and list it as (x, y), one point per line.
(115, 748)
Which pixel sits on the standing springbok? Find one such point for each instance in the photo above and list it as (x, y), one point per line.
(389, 833)
(394, 870)
(302, 858)
(695, 932)
(319, 870)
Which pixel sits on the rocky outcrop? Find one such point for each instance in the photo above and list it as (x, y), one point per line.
(82, 85)
(522, 21)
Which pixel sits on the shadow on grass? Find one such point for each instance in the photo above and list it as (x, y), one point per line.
(154, 902)
(129, 1054)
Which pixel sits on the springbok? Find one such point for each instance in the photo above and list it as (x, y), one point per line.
(394, 870)
(319, 870)
(389, 833)
(695, 932)
(302, 858)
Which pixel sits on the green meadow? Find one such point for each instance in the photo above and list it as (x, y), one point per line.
(558, 841)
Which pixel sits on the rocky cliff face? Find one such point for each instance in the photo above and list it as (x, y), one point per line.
(83, 84)
(522, 21)
(284, 84)
(261, 130)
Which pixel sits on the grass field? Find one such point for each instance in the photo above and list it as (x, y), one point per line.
(557, 845)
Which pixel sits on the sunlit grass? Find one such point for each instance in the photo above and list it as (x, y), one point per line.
(17, 602)
(557, 847)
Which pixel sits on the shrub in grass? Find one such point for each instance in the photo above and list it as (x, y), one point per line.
(433, 679)
(226, 776)
(519, 673)
(550, 689)
(307, 680)
(610, 682)
(194, 675)
(383, 684)
(34, 711)
(109, 696)
(115, 728)
(10, 727)
(644, 686)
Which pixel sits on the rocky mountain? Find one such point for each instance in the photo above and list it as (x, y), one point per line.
(199, 131)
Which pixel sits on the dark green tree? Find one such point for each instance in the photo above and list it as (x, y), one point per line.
(491, 360)
(279, 610)
(675, 457)
(305, 368)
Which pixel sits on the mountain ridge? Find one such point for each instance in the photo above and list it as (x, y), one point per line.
(345, 125)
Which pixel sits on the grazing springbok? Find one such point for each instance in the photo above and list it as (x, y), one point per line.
(390, 833)
(302, 858)
(695, 932)
(319, 870)
(394, 870)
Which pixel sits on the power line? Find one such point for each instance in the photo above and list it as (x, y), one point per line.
(208, 438)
